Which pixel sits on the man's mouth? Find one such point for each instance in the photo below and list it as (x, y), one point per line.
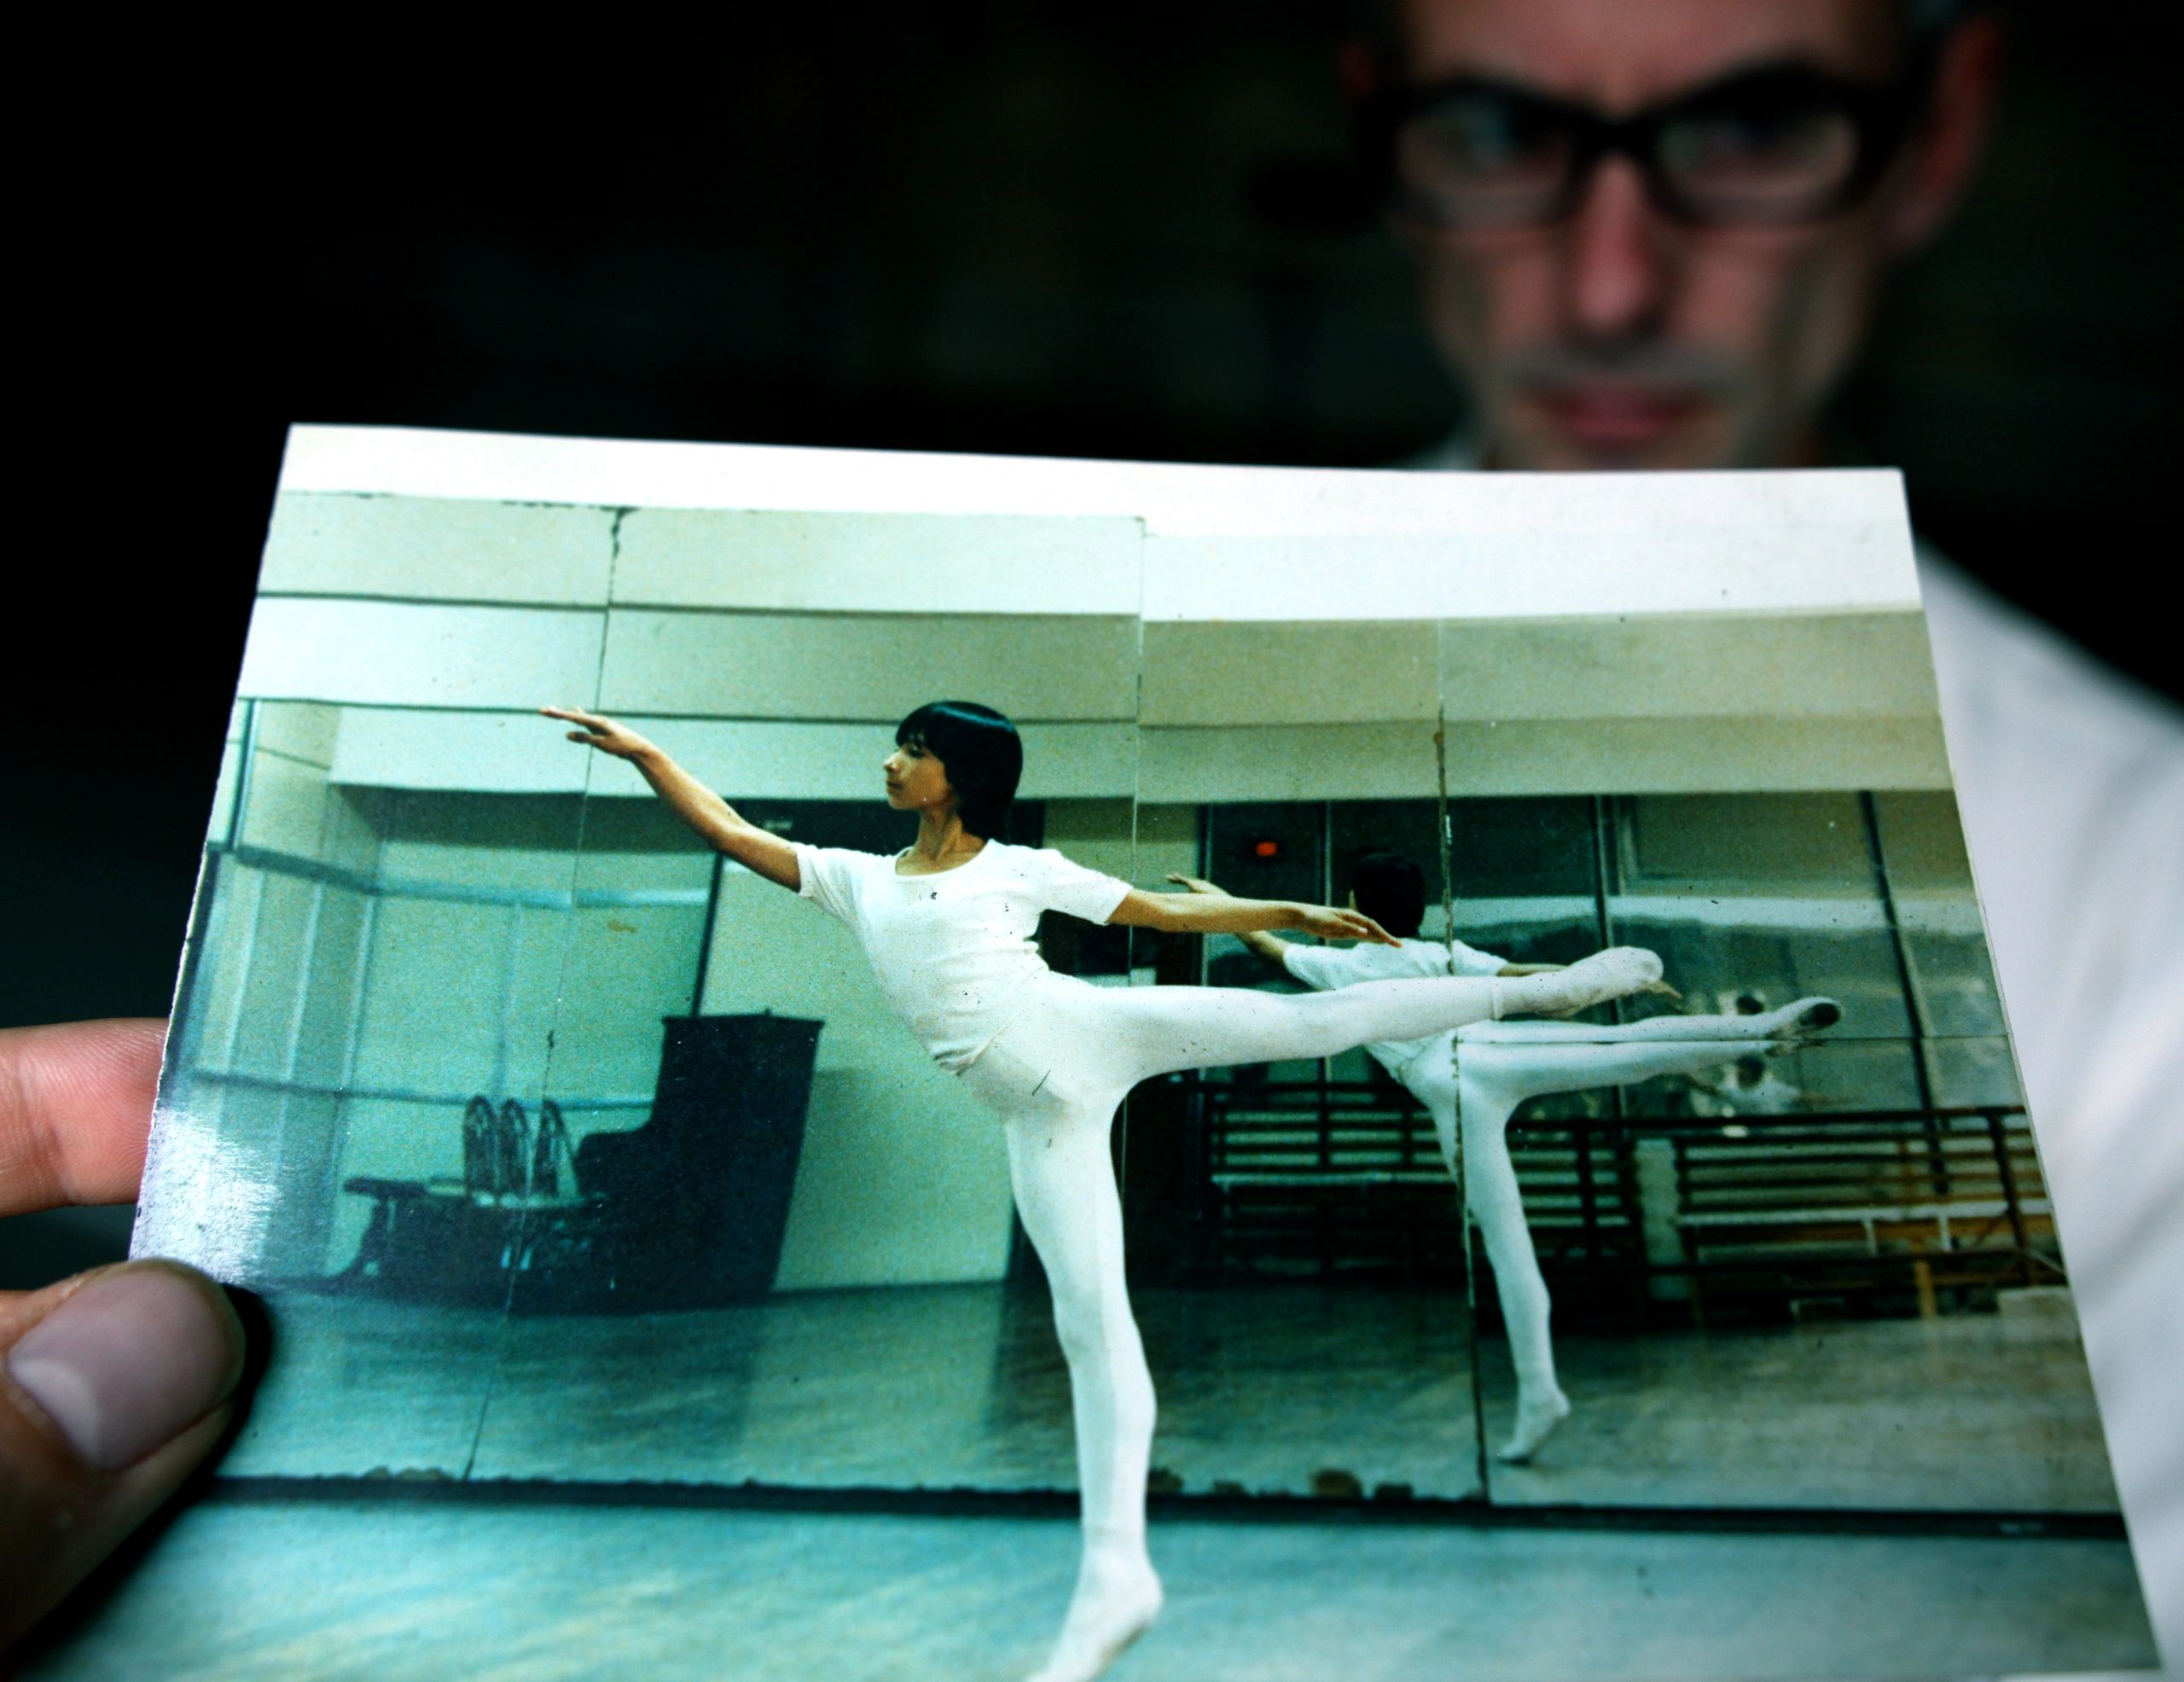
(1612, 417)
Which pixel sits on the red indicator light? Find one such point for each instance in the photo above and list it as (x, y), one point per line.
(1266, 849)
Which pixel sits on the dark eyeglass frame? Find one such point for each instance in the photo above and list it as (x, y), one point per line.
(1881, 115)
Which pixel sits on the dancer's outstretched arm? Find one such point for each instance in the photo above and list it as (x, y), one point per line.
(1272, 947)
(1220, 914)
(722, 827)
(1268, 946)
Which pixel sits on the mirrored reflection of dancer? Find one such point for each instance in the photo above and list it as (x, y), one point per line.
(1500, 1065)
(947, 924)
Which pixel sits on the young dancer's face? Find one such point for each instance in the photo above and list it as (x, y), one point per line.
(916, 779)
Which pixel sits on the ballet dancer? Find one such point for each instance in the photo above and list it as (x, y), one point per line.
(947, 924)
(1484, 1070)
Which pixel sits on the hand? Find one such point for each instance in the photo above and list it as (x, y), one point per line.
(1333, 923)
(1197, 884)
(604, 734)
(1664, 989)
(118, 1381)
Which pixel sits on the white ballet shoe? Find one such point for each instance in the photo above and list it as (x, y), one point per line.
(1116, 1602)
(1788, 1026)
(1537, 1417)
(1803, 1016)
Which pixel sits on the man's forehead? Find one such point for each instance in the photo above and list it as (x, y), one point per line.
(1622, 54)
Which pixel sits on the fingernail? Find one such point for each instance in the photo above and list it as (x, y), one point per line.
(130, 1361)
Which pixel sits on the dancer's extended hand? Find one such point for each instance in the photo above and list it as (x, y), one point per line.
(118, 1381)
(604, 734)
(1197, 884)
(1333, 922)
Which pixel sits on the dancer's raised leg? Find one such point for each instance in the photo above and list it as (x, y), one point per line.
(1793, 1021)
(1064, 1181)
(1155, 1030)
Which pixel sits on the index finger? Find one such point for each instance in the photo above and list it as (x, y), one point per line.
(75, 1107)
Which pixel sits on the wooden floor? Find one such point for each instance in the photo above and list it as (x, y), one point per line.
(1290, 1390)
(385, 1592)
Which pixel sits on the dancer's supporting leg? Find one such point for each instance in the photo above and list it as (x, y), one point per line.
(1491, 1194)
(1056, 1076)
(1503, 1064)
(1056, 1113)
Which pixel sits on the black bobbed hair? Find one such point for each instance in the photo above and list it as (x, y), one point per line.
(1391, 890)
(980, 751)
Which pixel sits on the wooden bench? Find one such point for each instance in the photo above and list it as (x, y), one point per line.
(1320, 1178)
(1876, 1199)
(1316, 1179)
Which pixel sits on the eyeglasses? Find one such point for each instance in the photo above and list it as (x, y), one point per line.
(1773, 146)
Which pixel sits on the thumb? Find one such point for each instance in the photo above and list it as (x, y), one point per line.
(116, 1383)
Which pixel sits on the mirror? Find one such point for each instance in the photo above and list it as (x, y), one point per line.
(803, 1265)
(1296, 1250)
(1791, 1224)
(364, 1054)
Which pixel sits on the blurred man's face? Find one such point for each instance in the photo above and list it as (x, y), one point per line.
(1620, 336)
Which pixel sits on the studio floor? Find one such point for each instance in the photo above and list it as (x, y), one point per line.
(392, 1589)
(1292, 1390)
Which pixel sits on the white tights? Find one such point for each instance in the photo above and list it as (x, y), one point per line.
(1056, 1076)
(1497, 1067)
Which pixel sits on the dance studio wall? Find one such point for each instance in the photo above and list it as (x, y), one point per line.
(902, 1179)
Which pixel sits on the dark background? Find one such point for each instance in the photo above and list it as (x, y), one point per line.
(1107, 234)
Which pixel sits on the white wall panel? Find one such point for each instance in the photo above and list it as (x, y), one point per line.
(877, 562)
(1322, 762)
(520, 752)
(422, 747)
(438, 549)
(785, 761)
(817, 666)
(1285, 674)
(419, 655)
(1639, 756)
(1778, 665)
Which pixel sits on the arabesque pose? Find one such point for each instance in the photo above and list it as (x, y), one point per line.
(947, 924)
(1482, 1071)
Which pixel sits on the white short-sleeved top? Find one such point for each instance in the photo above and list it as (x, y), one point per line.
(1325, 968)
(953, 951)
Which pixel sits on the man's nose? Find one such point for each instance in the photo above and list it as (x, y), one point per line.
(1615, 276)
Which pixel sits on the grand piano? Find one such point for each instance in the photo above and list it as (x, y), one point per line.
(687, 1210)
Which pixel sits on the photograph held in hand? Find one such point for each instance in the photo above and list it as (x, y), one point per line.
(1329, 998)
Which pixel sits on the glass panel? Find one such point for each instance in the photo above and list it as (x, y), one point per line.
(1295, 1244)
(1794, 1234)
(370, 989)
(367, 960)
(1782, 887)
(793, 1258)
